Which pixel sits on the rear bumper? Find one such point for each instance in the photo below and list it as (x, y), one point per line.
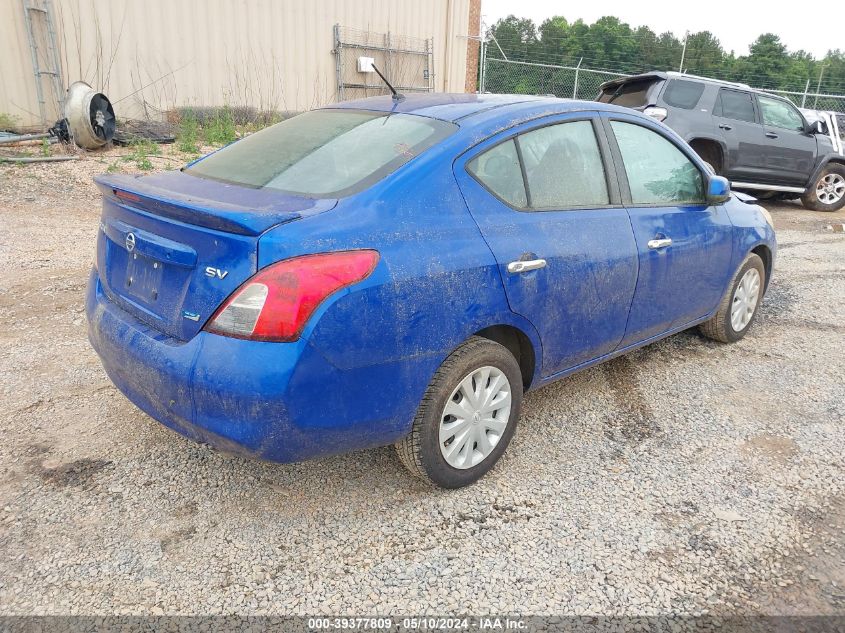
(277, 401)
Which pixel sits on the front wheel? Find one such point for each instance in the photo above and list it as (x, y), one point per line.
(467, 416)
(828, 192)
(738, 308)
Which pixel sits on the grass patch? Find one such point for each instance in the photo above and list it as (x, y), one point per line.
(142, 149)
(220, 129)
(7, 121)
(187, 140)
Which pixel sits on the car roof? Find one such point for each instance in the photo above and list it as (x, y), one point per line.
(455, 107)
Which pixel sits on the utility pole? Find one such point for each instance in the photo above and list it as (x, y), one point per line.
(683, 52)
(806, 90)
(575, 87)
(819, 86)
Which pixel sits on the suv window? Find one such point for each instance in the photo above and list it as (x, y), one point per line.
(777, 113)
(733, 104)
(563, 166)
(658, 172)
(631, 94)
(499, 172)
(683, 94)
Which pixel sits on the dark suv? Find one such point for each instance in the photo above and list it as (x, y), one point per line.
(759, 141)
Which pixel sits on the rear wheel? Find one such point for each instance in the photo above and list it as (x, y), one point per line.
(739, 306)
(467, 416)
(828, 192)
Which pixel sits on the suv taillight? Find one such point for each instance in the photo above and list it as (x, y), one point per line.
(656, 113)
(277, 301)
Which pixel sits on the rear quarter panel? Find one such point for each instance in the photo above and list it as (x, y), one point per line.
(435, 285)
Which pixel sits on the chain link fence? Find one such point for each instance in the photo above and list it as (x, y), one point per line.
(508, 76)
(407, 63)
(501, 76)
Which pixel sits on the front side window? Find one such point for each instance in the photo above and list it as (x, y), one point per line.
(499, 171)
(658, 172)
(324, 153)
(563, 166)
(684, 94)
(777, 113)
(735, 105)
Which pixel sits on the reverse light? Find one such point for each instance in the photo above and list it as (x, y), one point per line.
(276, 303)
(656, 113)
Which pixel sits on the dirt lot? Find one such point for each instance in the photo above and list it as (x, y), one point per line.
(688, 477)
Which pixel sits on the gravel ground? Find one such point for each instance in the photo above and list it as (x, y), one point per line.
(689, 477)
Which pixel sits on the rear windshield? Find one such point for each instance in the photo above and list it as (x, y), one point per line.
(632, 94)
(324, 153)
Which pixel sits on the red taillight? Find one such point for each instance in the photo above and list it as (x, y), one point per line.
(276, 302)
(125, 195)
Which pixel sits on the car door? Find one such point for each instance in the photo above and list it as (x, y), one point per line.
(549, 208)
(791, 151)
(685, 246)
(736, 117)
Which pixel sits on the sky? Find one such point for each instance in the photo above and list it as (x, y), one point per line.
(813, 27)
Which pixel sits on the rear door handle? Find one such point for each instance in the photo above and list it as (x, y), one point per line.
(662, 242)
(725, 126)
(771, 135)
(523, 266)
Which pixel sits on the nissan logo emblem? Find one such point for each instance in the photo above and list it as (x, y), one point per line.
(130, 242)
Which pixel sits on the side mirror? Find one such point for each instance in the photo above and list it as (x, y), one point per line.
(718, 190)
(814, 127)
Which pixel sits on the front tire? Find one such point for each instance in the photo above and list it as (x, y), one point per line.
(828, 192)
(738, 308)
(467, 416)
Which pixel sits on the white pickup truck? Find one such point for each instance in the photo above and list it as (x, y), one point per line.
(834, 125)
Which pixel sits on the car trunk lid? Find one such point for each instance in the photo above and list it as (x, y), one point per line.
(172, 247)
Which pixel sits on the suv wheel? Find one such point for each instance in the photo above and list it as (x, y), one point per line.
(828, 192)
(467, 416)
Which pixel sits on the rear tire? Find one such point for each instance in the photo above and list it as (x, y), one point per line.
(828, 192)
(451, 451)
(738, 308)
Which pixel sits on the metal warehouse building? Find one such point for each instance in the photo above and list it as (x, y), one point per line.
(151, 56)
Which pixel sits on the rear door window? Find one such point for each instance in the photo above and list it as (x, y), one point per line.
(498, 170)
(684, 94)
(563, 166)
(736, 105)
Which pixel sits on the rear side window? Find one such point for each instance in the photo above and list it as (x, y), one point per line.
(735, 105)
(658, 172)
(563, 166)
(777, 113)
(683, 94)
(630, 94)
(499, 171)
(324, 153)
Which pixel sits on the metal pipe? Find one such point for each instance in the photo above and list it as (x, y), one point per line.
(8, 140)
(38, 159)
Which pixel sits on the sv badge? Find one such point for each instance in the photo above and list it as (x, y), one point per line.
(215, 273)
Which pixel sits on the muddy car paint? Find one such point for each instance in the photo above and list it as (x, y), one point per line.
(356, 375)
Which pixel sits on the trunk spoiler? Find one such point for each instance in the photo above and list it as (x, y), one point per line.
(209, 203)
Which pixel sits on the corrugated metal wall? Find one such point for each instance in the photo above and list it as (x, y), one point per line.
(269, 54)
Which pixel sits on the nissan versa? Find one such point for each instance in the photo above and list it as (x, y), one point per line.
(401, 271)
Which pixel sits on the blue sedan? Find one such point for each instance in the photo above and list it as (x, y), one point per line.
(401, 271)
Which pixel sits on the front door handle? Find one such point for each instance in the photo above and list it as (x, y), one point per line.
(771, 135)
(662, 242)
(725, 126)
(523, 266)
